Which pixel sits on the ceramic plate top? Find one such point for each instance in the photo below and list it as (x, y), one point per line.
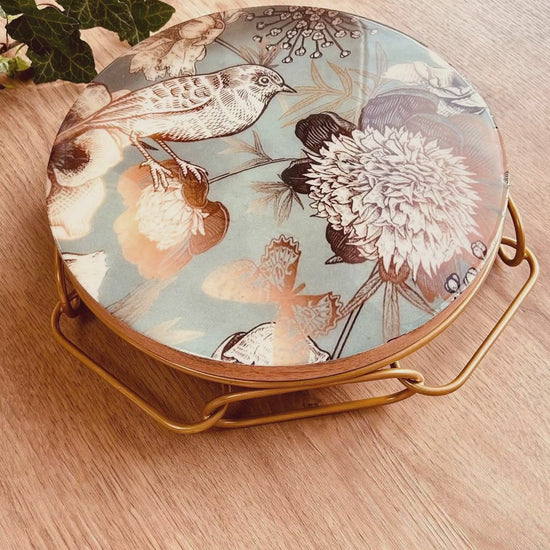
(277, 186)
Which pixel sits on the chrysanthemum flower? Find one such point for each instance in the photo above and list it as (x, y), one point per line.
(404, 165)
(396, 195)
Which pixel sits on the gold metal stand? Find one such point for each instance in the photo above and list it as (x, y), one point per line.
(214, 412)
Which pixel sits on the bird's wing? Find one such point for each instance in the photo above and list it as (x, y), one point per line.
(174, 95)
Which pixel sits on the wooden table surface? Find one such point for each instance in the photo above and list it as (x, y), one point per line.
(82, 468)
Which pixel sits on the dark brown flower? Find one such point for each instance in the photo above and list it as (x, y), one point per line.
(465, 143)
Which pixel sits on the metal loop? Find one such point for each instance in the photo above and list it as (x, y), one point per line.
(207, 422)
(467, 371)
(345, 406)
(518, 243)
(214, 411)
(70, 302)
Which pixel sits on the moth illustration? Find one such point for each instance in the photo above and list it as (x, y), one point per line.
(300, 318)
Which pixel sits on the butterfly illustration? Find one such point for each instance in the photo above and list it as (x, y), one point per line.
(301, 317)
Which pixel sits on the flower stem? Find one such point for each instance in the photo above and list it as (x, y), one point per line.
(261, 163)
(344, 335)
(390, 312)
(354, 306)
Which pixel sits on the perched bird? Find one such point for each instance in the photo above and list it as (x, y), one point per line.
(187, 108)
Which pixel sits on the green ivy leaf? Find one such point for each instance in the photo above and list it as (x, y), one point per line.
(149, 16)
(11, 65)
(78, 66)
(7, 65)
(21, 64)
(15, 7)
(113, 15)
(44, 30)
(133, 20)
(55, 47)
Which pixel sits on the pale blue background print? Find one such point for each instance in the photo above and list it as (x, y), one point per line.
(250, 232)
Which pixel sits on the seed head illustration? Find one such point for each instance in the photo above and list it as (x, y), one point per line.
(185, 109)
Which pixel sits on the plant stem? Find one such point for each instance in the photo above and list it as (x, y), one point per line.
(9, 46)
(262, 163)
(344, 335)
(354, 306)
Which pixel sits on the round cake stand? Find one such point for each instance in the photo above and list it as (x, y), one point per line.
(215, 412)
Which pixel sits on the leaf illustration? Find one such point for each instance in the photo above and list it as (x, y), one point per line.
(280, 195)
(317, 78)
(283, 207)
(240, 146)
(258, 147)
(261, 56)
(364, 77)
(322, 96)
(312, 95)
(345, 78)
(365, 292)
(390, 314)
(415, 298)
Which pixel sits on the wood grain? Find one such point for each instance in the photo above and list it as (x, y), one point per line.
(82, 469)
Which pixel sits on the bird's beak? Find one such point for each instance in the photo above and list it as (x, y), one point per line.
(288, 89)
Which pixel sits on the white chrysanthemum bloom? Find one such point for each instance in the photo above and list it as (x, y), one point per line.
(397, 196)
(166, 218)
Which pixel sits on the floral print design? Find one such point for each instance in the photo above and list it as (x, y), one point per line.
(396, 196)
(396, 189)
(396, 158)
(292, 26)
(176, 51)
(75, 186)
(160, 232)
(442, 80)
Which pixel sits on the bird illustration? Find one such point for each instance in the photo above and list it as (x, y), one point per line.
(186, 109)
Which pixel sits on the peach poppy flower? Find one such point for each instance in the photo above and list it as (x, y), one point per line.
(160, 231)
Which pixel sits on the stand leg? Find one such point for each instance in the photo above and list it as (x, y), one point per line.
(207, 422)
